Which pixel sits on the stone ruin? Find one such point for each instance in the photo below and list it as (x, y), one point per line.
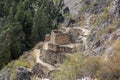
(23, 74)
(64, 40)
(59, 43)
(60, 38)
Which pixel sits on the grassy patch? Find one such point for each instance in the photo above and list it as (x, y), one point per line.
(110, 69)
(14, 65)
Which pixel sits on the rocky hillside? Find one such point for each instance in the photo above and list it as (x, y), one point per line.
(85, 46)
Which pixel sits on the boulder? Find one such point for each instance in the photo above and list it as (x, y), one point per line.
(5, 77)
(99, 50)
(66, 10)
(24, 74)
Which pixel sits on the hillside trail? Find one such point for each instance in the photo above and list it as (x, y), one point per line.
(85, 35)
(38, 60)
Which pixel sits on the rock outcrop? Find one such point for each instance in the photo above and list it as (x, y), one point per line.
(116, 8)
(24, 74)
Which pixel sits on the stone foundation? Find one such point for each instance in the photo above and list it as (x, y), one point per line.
(40, 71)
(63, 40)
(52, 57)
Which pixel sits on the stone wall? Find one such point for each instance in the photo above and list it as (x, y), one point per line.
(50, 46)
(65, 49)
(53, 58)
(59, 41)
(59, 38)
(58, 48)
(62, 39)
(47, 38)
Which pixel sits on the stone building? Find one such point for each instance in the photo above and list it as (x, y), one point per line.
(70, 48)
(48, 46)
(66, 48)
(60, 38)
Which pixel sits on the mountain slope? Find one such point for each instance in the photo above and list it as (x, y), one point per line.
(88, 46)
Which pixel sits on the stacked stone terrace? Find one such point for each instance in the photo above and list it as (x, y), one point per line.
(64, 40)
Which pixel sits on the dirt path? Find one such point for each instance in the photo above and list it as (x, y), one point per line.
(86, 32)
(84, 39)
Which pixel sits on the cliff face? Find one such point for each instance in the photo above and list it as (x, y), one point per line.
(94, 28)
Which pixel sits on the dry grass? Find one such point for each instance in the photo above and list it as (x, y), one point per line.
(97, 67)
(110, 69)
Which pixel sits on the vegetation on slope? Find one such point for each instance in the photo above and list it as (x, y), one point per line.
(25, 23)
(96, 67)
